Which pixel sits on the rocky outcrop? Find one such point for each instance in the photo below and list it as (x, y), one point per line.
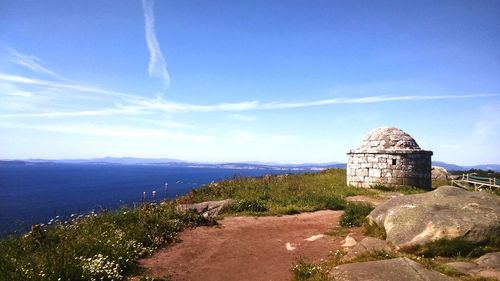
(439, 173)
(487, 266)
(208, 208)
(388, 270)
(367, 245)
(445, 213)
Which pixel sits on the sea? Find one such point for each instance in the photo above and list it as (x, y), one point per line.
(34, 193)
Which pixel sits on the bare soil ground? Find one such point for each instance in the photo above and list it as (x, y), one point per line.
(248, 248)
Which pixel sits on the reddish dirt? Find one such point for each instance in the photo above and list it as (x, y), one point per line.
(247, 248)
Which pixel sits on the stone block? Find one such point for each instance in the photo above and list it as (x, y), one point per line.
(374, 173)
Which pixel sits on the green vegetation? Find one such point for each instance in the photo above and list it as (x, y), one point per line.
(98, 247)
(405, 189)
(355, 214)
(373, 230)
(303, 271)
(456, 248)
(440, 182)
(282, 194)
(479, 173)
(339, 232)
(434, 264)
(248, 206)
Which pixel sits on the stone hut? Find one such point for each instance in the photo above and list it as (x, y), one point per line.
(390, 157)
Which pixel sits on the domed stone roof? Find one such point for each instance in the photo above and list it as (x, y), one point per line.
(387, 139)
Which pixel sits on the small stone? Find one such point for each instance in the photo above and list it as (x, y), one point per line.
(349, 241)
(368, 245)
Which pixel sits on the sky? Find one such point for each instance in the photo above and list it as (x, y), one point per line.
(271, 81)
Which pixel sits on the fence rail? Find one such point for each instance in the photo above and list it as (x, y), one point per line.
(477, 181)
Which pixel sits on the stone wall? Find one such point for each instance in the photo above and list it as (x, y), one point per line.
(389, 168)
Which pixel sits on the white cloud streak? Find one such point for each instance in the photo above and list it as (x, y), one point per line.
(163, 105)
(16, 79)
(365, 100)
(157, 64)
(127, 104)
(32, 62)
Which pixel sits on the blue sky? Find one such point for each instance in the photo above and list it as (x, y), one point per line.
(283, 81)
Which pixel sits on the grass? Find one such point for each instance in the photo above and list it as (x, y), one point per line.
(355, 214)
(405, 189)
(373, 230)
(101, 246)
(249, 206)
(456, 248)
(303, 271)
(437, 183)
(338, 232)
(281, 194)
(306, 271)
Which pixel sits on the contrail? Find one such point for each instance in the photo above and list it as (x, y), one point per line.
(157, 65)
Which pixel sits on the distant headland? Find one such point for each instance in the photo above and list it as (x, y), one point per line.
(251, 165)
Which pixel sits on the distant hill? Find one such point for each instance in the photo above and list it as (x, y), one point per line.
(453, 167)
(236, 165)
(181, 163)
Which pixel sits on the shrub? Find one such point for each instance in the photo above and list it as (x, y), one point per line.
(101, 246)
(252, 206)
(355, 214)
(303, 271)
(373, 230)
(404, 189)
(453, 248)
(281, 194)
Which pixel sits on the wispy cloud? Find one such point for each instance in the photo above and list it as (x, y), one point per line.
(31, 62)
(369, 99)
(17, 79)
(157, 65)
(119, 103)
(164, 105)
(121, 110)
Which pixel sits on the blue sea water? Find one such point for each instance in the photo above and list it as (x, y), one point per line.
(35, 193)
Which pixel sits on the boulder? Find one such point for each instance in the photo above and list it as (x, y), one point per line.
(368, 245)
(445, 213)
(208, 208)
(388, 270)
(439, 173)
(487, 266)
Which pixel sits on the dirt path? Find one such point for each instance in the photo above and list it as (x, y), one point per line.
(248, 248)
